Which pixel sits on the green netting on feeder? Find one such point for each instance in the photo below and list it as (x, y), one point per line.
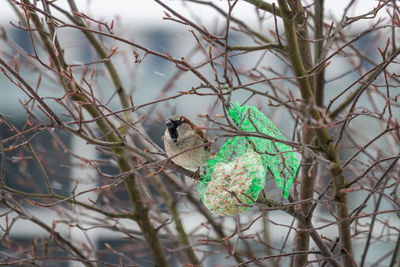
(279, 158)
(234, 177)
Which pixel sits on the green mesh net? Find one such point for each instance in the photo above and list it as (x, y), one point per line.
(234, 177)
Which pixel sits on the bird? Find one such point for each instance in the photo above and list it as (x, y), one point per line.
(182, 135)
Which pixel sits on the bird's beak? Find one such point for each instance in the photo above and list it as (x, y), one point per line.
(171, 127)
(169, 124)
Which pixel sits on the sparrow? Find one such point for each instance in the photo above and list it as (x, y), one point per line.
(182, 135)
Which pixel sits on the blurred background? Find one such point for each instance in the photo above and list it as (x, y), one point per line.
(142, 22)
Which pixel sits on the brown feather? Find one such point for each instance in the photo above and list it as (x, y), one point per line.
(198, 131)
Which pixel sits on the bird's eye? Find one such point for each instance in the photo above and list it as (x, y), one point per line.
(179, 122)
